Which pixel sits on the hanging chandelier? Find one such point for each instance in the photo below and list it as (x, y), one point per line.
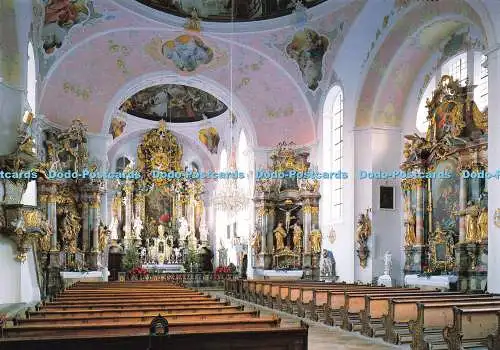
(230, 198)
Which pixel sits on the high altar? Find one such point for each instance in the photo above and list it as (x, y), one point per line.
(445, 206)
(287, 239)
(162, 217)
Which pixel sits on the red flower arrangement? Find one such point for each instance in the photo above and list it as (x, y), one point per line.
(222, 269)
(139, 272)
(165, 218)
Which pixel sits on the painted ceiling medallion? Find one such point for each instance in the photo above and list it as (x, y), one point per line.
(228, 10)
(173, 103)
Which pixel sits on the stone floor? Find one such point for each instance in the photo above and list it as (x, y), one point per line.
(321, 336)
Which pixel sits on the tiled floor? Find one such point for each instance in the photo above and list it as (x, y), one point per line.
(322, 337)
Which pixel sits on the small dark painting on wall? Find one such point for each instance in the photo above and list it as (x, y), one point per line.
(386, 197)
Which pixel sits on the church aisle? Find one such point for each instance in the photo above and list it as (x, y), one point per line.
(321, 336)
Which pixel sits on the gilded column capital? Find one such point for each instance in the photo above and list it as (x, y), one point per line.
(95, 201)
(314, 210)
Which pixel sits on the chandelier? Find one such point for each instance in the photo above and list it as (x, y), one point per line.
(230, 198)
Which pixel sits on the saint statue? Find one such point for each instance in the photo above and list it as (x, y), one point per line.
(103, 237)
(471, 214)
(297, 237)
(183, 229)
(482, 225)
(280, 234)
(113, 228)
(45, 239)
(327, 265)
(411, 235)
(256, 240)
(138, 226)
(315, 238)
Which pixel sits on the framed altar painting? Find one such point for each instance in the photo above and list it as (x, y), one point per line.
(387, 197)
(445, 196)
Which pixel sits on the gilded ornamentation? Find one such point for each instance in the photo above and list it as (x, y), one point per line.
(307, 209)
(256, 242)
(297, 238)
(69, 230)
(363, 232)
(103, 237)
(117, 127)
(441, 250)
(482, 225)
(471, 214)
(193, 22)
(159, 151)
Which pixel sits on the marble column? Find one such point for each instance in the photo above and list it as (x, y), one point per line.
(493, 164)
(86, 220)
(462, 206)
(419, 212)
(95, 207)
(52, 217)
(270, 218)
(307, 220)
(128, 215)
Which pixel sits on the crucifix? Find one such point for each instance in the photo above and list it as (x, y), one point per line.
(288, 216)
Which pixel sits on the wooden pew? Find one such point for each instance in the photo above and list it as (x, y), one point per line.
(336, 301)
(433, 317)
(402, 311)
(242, 339)
(471, 327)
(127, 318)
(376, 307)
(220, 308)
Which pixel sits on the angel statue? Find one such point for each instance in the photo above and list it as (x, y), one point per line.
(113, 228)
(138, 226)
(103, 236)
(315, 238)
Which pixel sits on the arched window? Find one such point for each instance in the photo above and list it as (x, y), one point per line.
(333, 150)
(31, 78)
(457, 68)
(121, 164)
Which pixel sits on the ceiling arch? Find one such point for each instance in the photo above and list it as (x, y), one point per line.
(397, 63)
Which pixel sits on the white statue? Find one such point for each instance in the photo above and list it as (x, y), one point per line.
(138, 226)
(387, 263)
(113, 228)
(177, 254)
(183, 229)
(143, 254)
(192, 242)
(161, 231)
(327, 265)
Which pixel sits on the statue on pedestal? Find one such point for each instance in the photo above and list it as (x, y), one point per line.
(387, 263)
(327, 268)
(103, 237)
(113, 228)
(138, 226)
(315, 238)
(256, 242)
(411, 235)
(161, 231)
(280, 235)
(297, 238)
(471, 214)
(183, 229)
(482, 225)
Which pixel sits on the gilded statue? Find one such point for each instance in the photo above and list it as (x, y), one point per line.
(297, 237)
(279, 235)
(70, 228)
(315, 238)
(44, 240)
(411, 235)
(471, 214)
(482, 225)
(103, 236)
(364, 229)
(193, 23)
(256, 242)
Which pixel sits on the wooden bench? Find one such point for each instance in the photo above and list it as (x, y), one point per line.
(111, 316)
(471, 327)
(241, 339)
(376, 307)
(402, 311)
(433, 317)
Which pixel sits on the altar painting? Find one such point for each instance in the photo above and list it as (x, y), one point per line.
(158, 204)
(445, 197)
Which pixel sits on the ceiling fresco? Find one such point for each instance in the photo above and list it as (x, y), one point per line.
(229, 10)
(173, 103)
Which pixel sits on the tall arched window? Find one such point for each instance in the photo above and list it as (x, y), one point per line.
(31, 78)
(333, 150)
(457, 68)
